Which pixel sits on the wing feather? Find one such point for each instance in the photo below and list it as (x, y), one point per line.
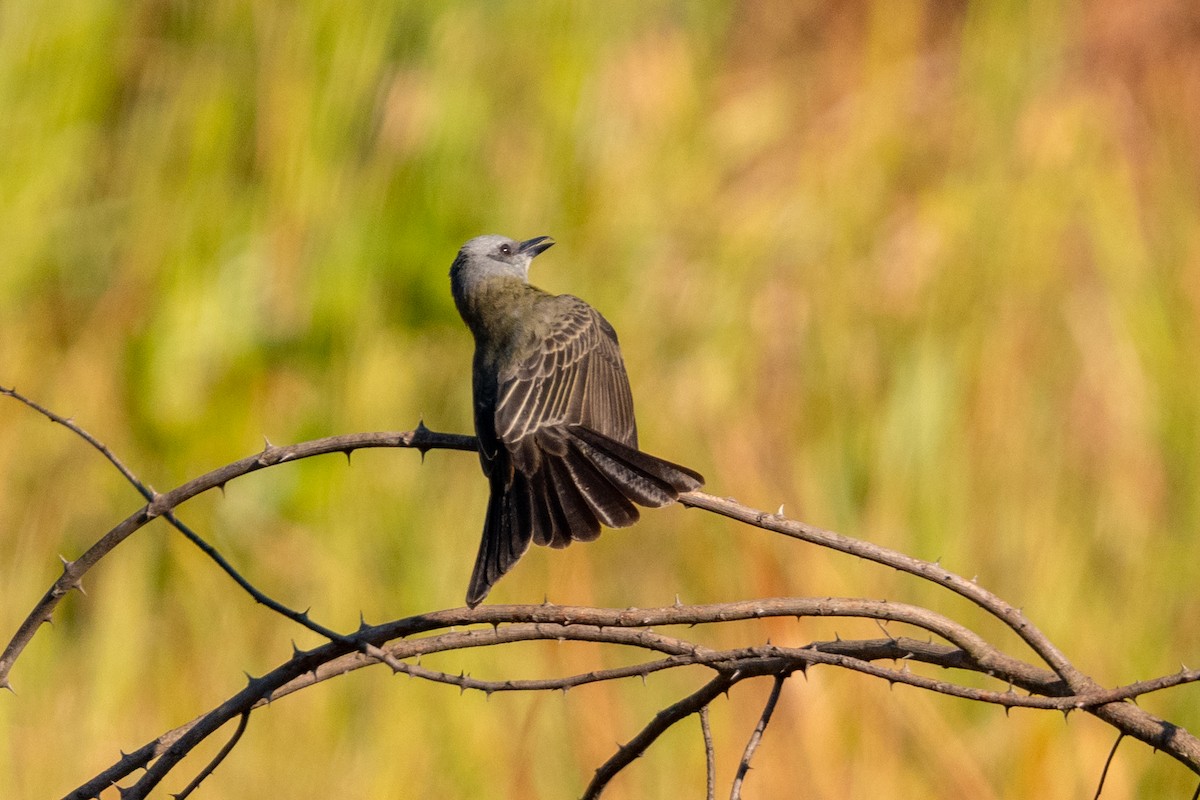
(567, 458)
(571, 374)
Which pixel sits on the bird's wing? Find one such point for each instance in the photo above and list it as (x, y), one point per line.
(570, 374)
(564, 420)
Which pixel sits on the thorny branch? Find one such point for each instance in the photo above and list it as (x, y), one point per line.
(299, 617)
(399, 643)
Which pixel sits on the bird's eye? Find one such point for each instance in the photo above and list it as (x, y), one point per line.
(505, 250)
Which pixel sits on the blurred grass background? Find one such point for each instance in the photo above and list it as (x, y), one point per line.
(927, 273)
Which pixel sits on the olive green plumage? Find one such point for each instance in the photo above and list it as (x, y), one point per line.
(553, 413)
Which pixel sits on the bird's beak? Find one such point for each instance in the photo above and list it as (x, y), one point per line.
(538, 244)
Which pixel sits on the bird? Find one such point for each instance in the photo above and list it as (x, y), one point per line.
(553, 413)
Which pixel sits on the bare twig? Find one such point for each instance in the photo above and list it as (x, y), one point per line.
(260, 597)
(710, 757)
(1107, 763)
(756, 737)
(656, 727)
(70, 425)
(421, 438)
(217, 759)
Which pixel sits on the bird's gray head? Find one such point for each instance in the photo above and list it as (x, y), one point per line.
(487, 274)
(492, 256)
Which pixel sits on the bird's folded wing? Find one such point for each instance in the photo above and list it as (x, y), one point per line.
(572, 374)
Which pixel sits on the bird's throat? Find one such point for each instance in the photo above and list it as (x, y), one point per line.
(495, 308)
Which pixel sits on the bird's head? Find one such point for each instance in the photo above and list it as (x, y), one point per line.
(496, 256)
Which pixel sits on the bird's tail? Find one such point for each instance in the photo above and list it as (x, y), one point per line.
(583, 481)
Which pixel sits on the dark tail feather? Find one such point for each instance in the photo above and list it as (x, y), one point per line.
(546, 516)
(594, 480)
(609, 500)
(507, 532)
(579, 521)
(645, 479)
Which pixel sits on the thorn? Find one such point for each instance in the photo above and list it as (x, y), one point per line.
(677, 602)
(1066, 715)
(221, 486)
(6, 684)
(421, 430)
(66, 564)
(296, 651)
(779, 513)
(263, 457)
(362, 622)
(348, 451)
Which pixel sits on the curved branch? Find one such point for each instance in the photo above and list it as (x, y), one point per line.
(1067, 685)
(582, 624)
(868, 551)
(420, 438)
(1152, 730)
